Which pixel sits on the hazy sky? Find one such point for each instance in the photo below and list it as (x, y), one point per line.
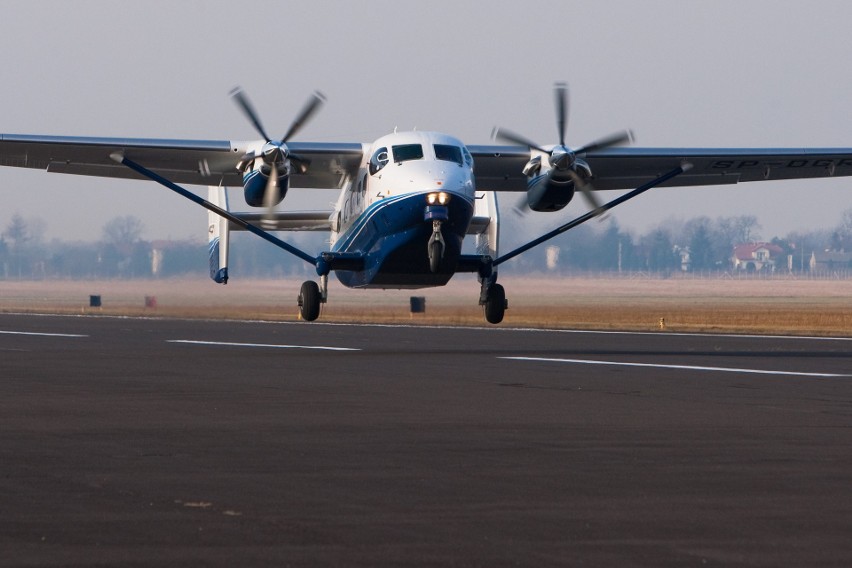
(679, 73)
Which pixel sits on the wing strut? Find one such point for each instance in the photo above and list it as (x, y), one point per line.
(215, 209)
(594, 213)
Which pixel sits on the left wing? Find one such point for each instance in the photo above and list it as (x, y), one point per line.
(196, 162)
(499, 168)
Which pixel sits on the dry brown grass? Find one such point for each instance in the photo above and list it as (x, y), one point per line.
(707, 305)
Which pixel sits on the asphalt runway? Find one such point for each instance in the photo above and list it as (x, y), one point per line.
(156, 442)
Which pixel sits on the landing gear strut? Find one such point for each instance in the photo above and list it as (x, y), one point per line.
(436, 247)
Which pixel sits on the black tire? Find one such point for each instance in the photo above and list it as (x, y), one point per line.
(434, 256)
(495, 305)
(309, 301)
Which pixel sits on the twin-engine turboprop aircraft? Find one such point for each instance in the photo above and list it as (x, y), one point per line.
(408, 200)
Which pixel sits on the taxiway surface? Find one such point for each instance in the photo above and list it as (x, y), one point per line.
(129, 441)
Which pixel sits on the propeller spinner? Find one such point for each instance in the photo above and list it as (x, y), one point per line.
(562, 158)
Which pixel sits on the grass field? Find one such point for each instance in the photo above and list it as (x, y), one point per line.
(821, 307)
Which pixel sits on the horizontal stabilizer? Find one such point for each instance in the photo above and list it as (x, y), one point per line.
(287, 220)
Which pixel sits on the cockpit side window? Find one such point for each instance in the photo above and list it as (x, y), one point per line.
(406, 152)
(378, 160)
(468, 159)
(448, 153)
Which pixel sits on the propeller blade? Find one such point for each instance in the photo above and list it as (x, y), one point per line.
(512, 137)
(307, 112)
(244, 103)
(587, 190)
(612, 140)
(560, 92)
(271, 197)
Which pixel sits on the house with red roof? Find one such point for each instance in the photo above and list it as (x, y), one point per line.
(756, 257)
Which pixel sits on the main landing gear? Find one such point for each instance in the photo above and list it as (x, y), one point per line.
(311, 296)
(493, 299)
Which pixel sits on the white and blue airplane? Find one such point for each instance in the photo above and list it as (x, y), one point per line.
(409, 199)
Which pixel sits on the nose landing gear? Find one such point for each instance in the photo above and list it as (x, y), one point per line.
(436, 247)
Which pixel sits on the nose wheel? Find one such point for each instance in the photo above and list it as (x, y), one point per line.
(436, 251)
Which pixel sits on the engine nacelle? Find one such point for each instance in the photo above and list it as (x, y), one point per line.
(255, 182)
(549, 192)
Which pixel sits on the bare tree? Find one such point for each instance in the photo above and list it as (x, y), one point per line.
(122, 232)
(845, 227)
(17, 232)
(738, 230)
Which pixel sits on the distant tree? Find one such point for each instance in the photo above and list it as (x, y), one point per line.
(124, 254)
(739, 229)
(18, 235)
(703, 251)
(845, 226)
(17, 232)
(842, 237)
(701, 254)
(660, 255)
(123, 232)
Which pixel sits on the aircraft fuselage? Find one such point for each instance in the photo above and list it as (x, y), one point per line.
(414, 185)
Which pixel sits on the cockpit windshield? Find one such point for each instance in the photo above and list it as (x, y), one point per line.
(448, 153)
(406, 152)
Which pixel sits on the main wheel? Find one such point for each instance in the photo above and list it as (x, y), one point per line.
(495, 305)
(434, 256)
(309, 301)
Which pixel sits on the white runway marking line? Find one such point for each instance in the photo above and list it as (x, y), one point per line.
(37, 334)
(680, 367)
(261, 345)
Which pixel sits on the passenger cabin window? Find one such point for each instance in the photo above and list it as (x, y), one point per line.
(406, 152)
(448, 153)
(378, 160)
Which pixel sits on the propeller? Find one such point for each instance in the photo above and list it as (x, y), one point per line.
(275, 152)
(562, 158)
(311, 107)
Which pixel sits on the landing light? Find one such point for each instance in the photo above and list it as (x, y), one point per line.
(441, 198)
